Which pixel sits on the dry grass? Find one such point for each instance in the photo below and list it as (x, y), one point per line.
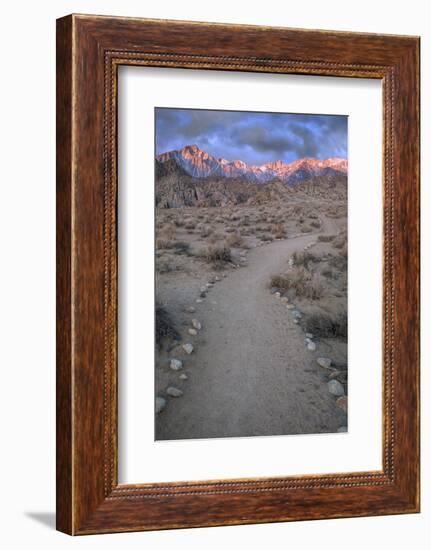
(279, 281)
(217, 255)
(179, 247)
(324, 324)
(299, 282)
(325, 238)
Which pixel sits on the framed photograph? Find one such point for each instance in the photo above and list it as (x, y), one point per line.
(237, 274)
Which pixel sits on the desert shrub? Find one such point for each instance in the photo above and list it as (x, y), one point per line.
(340, 260)
(205, 231)
(234, 239)
(340, 241)
(266, 237)
(294, 280)
(168, 231)
(279, 231)
(328, 273)
(179, 222)
(305, 258)
(162, 243)
(305, 229)
(215, 237)
(299, 282)
(314, 287)
(163, 265)
(165, 327)
(218, 255)
(324, 324)
(325, 238)
(180, 247)
(279, 281)
(190, 225)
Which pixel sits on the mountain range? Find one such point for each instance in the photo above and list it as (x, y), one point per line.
(194, 162)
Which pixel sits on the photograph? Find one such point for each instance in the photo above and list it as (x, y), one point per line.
(251, 279)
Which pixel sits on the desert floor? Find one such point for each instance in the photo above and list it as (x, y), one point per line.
(252, 370)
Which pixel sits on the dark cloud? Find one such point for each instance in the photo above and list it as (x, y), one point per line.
(252, 137)
(263, 139)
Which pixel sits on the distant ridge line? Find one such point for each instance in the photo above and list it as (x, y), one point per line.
(200, 164)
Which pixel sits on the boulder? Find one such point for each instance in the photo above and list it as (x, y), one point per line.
(196, 324)
(342, 403)
(160, 404)
(188, 348)
(174, 392)
(324, 362)
(176, 364)
(335, 388)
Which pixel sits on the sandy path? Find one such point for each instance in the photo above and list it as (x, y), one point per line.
(250, 373)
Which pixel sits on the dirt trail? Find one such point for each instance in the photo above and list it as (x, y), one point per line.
(251, 373)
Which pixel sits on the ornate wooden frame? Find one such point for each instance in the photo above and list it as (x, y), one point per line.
(89, 51)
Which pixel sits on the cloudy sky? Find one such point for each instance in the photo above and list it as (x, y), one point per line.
(255, 138)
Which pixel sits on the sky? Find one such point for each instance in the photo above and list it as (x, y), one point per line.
(253, 137)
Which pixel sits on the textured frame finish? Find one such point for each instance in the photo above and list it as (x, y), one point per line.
(89, 51)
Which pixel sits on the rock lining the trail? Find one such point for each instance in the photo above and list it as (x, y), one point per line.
(324, 362)
(174, 392)
(335, 388)
(342, 403)
(160, 404)
(196, 324)
(176, 364)
(188, 348)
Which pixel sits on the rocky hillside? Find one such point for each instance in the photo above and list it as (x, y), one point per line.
(176, 190)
